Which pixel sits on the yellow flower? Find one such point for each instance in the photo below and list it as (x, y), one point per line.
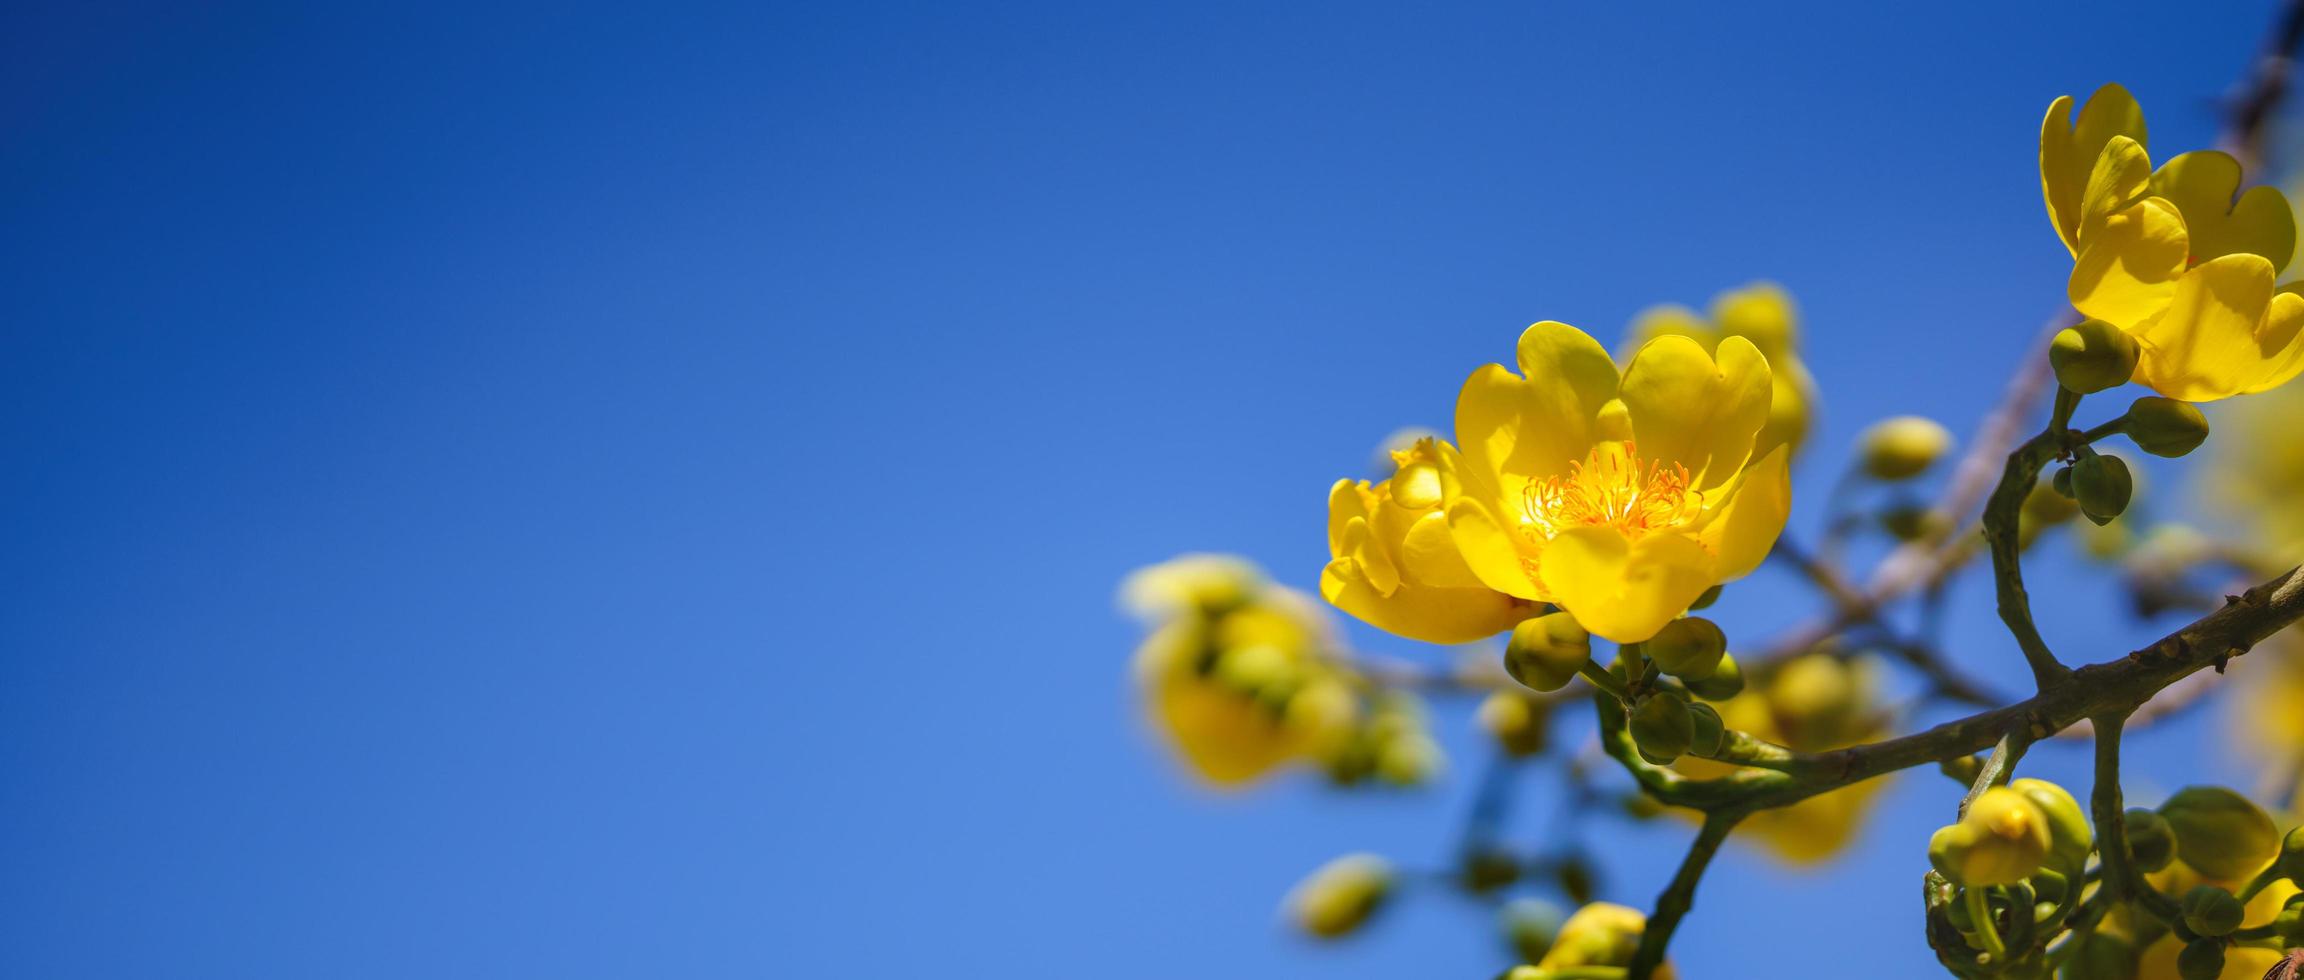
(2179, 258)
(1394, 566)
(1599, 934)
(1237, 672)
(1620, 499)
(1814, 703)
(1762, 313)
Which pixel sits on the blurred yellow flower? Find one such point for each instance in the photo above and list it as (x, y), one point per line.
(2179, 258)
(1813, 703)
(1762, 313)
(2253, 471)
(1394, 566)
(1599, 934)
(2240, 962)
(1620, 499)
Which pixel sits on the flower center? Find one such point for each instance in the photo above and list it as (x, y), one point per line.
(1611, 486)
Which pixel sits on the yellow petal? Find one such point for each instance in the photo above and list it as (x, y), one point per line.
(1741, 530)
(2128, 269)
(1433, 615)
(2205, 187)
(2203, 346)
(2122, 176)
(1690, 410)
(1346, 500)
(2069, 150)
(1491, 549)
(1427, 554)
(1535, 425)
(1625, 590)
(1361, 549)
(2281, 339)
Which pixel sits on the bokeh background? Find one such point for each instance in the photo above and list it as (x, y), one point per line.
(604, 490)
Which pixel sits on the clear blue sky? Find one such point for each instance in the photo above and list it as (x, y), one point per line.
(618, 491)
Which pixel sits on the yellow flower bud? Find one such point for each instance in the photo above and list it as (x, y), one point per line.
(1902, 447)
(2211, 911)
(2165, 426)
(1336, 899)
(1726, 681)
(1687, 648)
(2151, 845)
(1662, 728)
(2219, 832)
(2103, 485)
(2070, 838)
(1545, 652)
(2092, 356)
(1516, 721)
(1599, 934)
(2001, 841)
(1409, 759)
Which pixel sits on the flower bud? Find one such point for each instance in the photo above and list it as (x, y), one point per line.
(1516, 721)
(1689, 647)
(1530, 925)
(2102, 485)
(1339, 897)
(1902, 447)
(2102, 955)
(2202, 959)
(1662, 728)
(1409, 759)
(2062, 482)
(2165, 426)
(1705, 600)
(2092, 356)
(2069, 836)
(2001, 841)
(1727, 681)
(2220, 833)
(2151, 845)
(1708, 732)
(1484, 869)
(2211, 911)
(1545, 652)
(1599, 934)
(2291, 864)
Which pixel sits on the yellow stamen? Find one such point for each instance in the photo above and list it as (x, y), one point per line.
(1611, 487)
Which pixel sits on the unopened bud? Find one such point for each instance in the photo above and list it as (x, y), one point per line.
(2291, 864)
(2211, 911)
(1662, 728)
(2102, 485)
(2165, 426)
(1485, 869)
(1599, 934)
(2220, 833)
(2001, 841)
(2092, 356)
(1545, 652)
(1689, 647)
(1727, 681)
(1705, 600)
(1708, 732)
(2202, 959)
(2151, 845)
(1530, 925)
(1516, 721)
(1335, 900)
(1902, 447)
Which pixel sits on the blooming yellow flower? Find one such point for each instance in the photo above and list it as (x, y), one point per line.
(2179, 258)
(1618, 498)
(1394, 565)
(1762, 313)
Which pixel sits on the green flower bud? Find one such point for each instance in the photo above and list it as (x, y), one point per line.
(1727, 681)
(2092, 356)
(2202, 959)
(1530, 925)
(2070, 838)
(2062, 481)
(1710, 733)
(1705, 600)
(1911, 522)
(1576, 878)
(2102, 485)
(2211, 911)
(1335, 900)
(1516, 721)
(1689, 647)
(2101, 956)
(1662, 728)
(2165, 426)
(2220, 833)
(1545, 652)
(2151, 844)
(1902, 447)
(1484, 869)
(2291, 864)
(2001, 841)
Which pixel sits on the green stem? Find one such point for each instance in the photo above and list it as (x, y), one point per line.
(2002, 516)
(1680, 895)
(1980, 910)
(1604, 680)
(2121, 879)
(1996, 770)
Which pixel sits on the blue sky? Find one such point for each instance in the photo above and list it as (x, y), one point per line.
(579, 490)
